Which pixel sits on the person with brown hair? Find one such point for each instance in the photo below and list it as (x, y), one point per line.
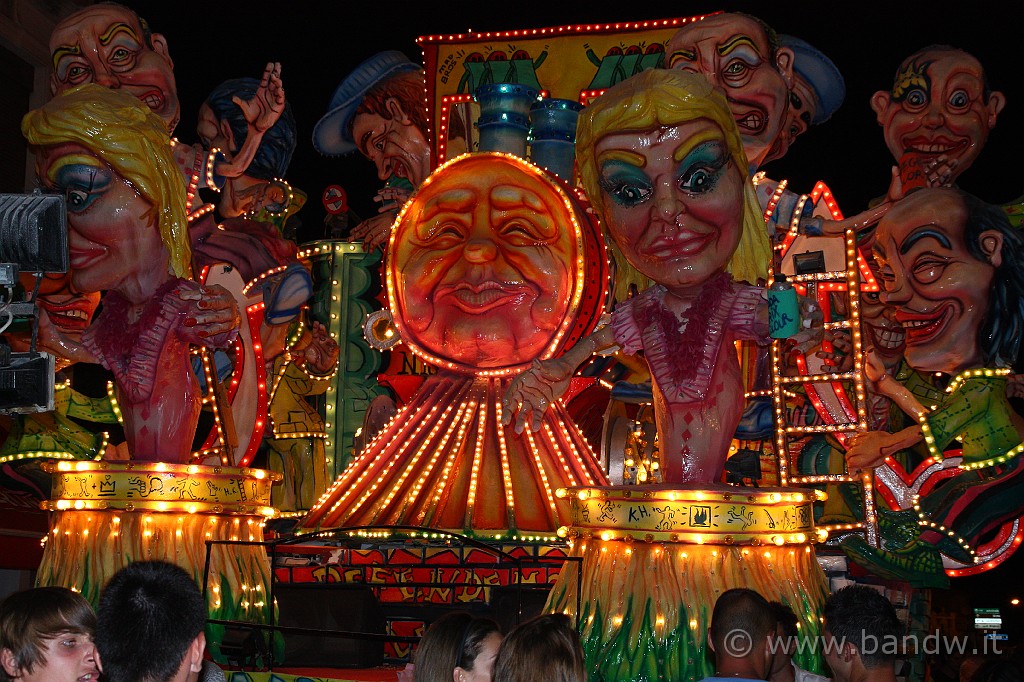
(457, 647)
(543, 649)
(46, 636)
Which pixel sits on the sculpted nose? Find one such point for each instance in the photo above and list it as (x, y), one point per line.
(666, 201)
(896, 292)
(933, 115)
(383, 165)
(480, 251)
(107, 79)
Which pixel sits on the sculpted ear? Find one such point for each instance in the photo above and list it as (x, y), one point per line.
(225, 129)
(784, 63)
(991, 242)
(880, 101)
(160, 47)
(995, 104)
(396, 111)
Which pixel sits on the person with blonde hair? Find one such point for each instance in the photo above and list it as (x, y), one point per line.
(110, 156)
(663, 165)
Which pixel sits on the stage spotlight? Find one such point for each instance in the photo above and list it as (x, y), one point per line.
(33, 234)
(33, 238)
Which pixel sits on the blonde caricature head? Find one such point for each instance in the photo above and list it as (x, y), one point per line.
(659, 98)
(122, 132)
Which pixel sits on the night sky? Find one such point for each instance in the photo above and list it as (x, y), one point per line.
(318, 43)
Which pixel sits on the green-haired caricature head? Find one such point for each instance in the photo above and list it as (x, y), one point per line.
(121, 132)
(662, 105)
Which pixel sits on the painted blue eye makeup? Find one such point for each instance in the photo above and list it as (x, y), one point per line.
(82, 185)
(702, 168)
(626, 184)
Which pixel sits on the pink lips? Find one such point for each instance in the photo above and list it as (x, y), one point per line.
(81, 258)
(678, 245)
(479, 298)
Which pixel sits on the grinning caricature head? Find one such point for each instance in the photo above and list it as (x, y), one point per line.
(817, 92)
(882, 332)
(663, 165)
(741, 55)
(70, 312)
(951, 267)
(940, 104)
(485, 265)
(111, 157)
(378, 110)
(112, 46)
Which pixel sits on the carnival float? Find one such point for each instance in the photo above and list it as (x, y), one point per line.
(587, 357)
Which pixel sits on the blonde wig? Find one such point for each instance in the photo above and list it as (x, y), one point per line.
(122, 132)
(659, 98)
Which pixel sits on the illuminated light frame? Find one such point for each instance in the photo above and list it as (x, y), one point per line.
(211, 162)
(447, 102)
(261, 278)
(62, 455)
(331, 398)
(46, 454)
(430, 59)
(782, 432)
(985, 564)
(275, 384)
(929, 439)
(213, 445)
(821, 192)
(567, 324)
(556, 30)
(216, 435)
(380, 488)
(254, 314)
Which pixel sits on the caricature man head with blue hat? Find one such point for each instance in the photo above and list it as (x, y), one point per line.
(378, 110)
(817, 91)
